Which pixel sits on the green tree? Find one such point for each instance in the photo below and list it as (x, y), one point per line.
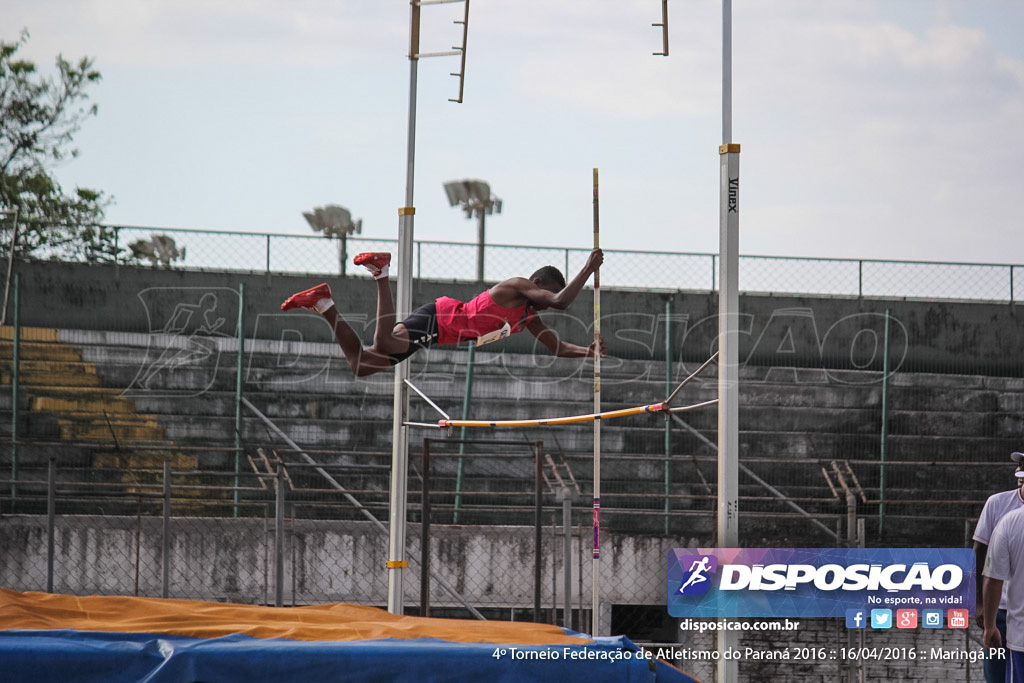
(39, 117)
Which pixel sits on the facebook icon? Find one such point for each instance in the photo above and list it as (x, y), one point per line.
(855, 618)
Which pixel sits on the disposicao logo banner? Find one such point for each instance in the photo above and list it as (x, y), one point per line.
(816, 582)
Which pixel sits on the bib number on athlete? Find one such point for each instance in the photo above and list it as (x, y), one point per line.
(499, 333)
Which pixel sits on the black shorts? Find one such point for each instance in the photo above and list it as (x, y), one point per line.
(422, 327)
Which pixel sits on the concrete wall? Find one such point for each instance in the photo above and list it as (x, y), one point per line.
(785, 331)
(325, 561)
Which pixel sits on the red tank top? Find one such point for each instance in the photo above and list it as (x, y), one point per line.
(458, 321)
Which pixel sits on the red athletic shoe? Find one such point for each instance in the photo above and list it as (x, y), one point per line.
(374, 261)
(307, 299)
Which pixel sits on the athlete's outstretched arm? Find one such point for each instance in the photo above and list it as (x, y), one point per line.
(546, 336)
(515, 291)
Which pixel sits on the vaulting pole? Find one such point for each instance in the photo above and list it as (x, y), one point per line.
(596, 571)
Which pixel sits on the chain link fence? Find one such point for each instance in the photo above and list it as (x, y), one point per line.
(141, 521)
(191, 249)
(626, 269)
(494, 525)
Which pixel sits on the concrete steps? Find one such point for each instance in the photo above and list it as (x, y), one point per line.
(64, 398)
(163, 389)
(59, 388)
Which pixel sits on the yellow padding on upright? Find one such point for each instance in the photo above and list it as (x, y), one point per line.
(45, 611)
(397, 564)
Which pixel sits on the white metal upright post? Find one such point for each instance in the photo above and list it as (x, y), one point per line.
(397, 563)
(728, 334)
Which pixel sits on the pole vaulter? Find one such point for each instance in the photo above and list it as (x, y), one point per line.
(596, 417)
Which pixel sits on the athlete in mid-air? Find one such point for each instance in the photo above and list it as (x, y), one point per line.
(506, 308)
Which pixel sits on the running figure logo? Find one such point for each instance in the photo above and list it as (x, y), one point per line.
(188, 326)
(696, 581)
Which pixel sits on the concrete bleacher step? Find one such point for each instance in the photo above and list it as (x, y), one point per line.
(88, 426)
(142, 473)
(87, 418)
(47, 372)
(64, 399)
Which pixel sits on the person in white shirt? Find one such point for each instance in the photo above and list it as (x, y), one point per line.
(996, 507)
(1004, 565)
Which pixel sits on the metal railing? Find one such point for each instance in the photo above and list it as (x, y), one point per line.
(628, 269)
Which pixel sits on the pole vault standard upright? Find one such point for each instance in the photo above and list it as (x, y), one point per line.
(728, 322)
(595, 617)
(397, 562)
(728, 333)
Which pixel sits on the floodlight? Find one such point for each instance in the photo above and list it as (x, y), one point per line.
(479, 191)
(337, 218)
(334, 221)
(475, 198)
(457, 192)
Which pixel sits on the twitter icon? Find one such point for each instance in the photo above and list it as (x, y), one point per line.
(881, 618)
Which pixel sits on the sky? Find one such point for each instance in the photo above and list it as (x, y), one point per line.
(889, 129)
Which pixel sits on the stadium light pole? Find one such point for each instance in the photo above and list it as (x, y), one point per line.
(334, 221)
(475, 198)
